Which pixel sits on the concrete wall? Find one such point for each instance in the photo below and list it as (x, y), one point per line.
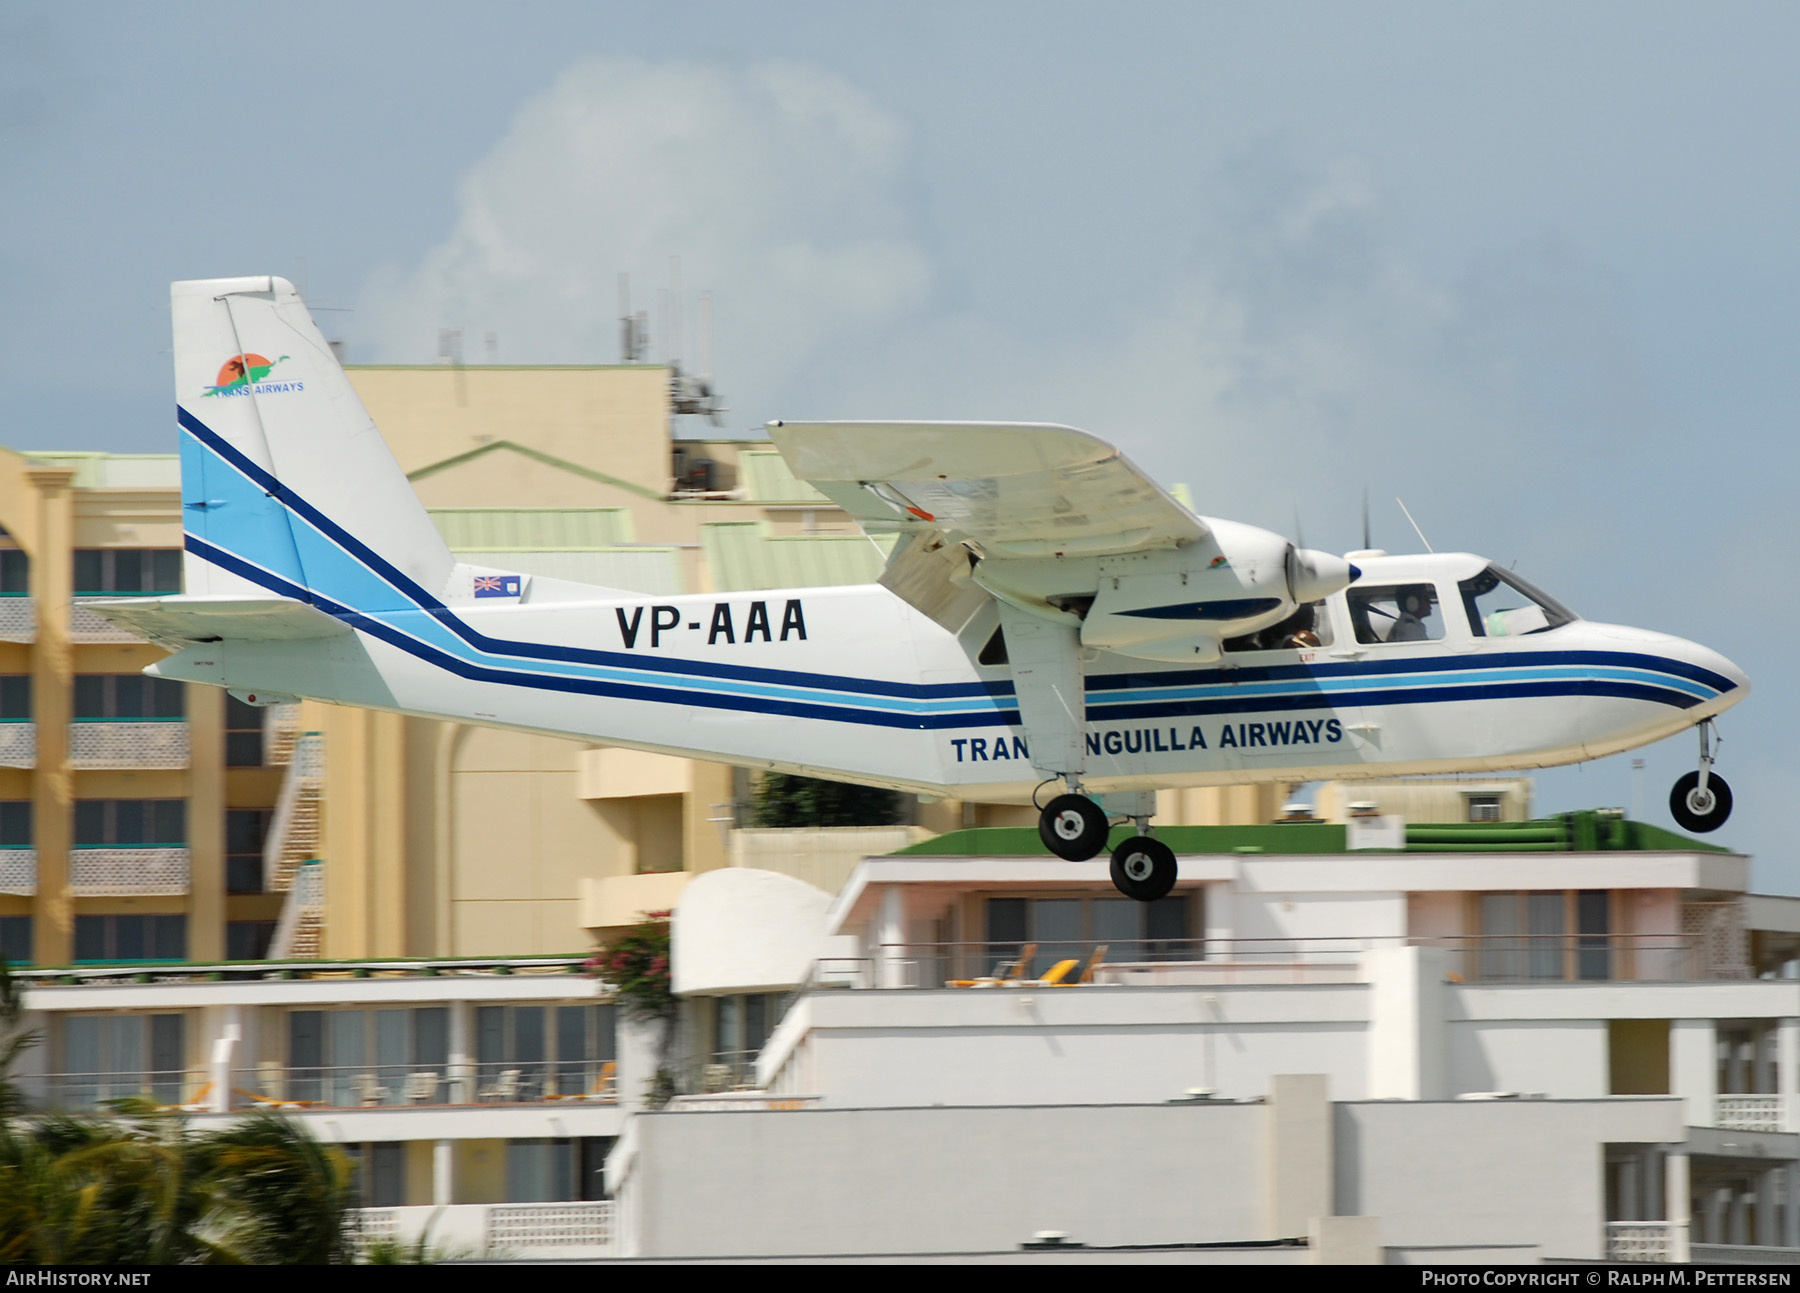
(1566, 1058)
(1088, 1046)
(1490, 1172)
(900, 1180)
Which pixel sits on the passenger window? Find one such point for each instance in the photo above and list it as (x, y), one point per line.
(1403, 613)
(1308, 627)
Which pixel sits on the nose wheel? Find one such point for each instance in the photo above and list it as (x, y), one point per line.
(1701, 801)
(1073, 827)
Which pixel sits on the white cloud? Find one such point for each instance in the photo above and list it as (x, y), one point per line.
(778, 185)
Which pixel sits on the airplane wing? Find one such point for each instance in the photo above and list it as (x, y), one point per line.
(1013, 490)
(182, 621)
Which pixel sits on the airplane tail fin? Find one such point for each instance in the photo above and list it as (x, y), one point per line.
(286, 486)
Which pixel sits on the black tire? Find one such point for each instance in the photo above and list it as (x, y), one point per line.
(1700, 817)
(1143, 868)
(1073, 827)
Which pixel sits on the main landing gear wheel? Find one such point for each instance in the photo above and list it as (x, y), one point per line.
(1700, 810)
(1073, 827)
(1143, 868)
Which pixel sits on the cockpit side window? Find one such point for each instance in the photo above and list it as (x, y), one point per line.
(1309, 626)
(1400, 613)
(1501, 605)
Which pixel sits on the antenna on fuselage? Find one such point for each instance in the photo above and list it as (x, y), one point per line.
(1367, 542)
(1415, 526)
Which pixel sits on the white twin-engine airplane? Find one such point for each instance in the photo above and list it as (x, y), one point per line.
(1049, 617)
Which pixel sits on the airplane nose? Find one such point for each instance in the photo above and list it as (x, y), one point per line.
(1710, 668)
(1733, 683)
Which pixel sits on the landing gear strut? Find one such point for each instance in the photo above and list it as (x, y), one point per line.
(1701, 801)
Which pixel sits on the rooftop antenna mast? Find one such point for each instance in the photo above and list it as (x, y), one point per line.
(634, 329)
(690, 393)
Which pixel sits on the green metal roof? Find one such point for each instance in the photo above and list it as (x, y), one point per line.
(532, 529)
(744, 555)
(766, 479)
(1580, 832)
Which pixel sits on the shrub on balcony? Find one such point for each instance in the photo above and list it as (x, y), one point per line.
(636, 963)
(787, 801)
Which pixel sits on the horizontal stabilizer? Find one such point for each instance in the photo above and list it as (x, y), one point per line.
(179, 621)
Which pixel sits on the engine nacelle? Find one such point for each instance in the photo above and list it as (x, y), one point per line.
(1173, 603)
(1177, 604)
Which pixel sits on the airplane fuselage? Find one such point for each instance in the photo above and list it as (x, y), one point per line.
(853, 683)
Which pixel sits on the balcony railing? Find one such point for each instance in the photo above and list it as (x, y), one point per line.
(281, 729)
(85, 626)
(1592, 958)
(715, 1074)
(293, 836)
(18, 742)
(1751, 1112)
(301, 928)
(273, 1086)
(1599, 958)
(493, 1229)
(18, 619)
(1138, 961)
(18, 871)
(368, 1086)
(1644, 1241)
(157, 743)
(187, 1089)
(127, 872)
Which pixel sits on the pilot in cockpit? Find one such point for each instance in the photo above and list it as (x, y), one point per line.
(1409, 624)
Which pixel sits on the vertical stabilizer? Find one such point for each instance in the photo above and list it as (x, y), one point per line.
(286, 485)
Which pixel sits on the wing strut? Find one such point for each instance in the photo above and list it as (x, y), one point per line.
(1046, 669)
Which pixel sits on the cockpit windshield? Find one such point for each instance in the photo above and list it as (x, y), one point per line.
(1501, 605)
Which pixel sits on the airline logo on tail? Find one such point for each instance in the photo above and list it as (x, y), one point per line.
(247, 374)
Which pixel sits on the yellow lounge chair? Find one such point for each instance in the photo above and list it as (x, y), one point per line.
(1094, 963)
(1005, 972)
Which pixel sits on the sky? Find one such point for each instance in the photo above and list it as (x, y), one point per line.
(1530, 267)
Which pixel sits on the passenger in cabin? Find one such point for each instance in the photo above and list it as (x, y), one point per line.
(1409, 625)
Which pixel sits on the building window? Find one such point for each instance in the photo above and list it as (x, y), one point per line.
(243, 733)
(1075, 928)
(369, 1057)
(246, 829)
(131, 938)
(556, 1171)
(1484, 808)
(112, 571)
(15, 824)
(248, 940)
(111, 1057)
(130, 823)
(15, 939)
(129, 697)
(535, 1052)
(1552, 934)
(380, 1168)
(15, 698)
(741, 1024)
(15, 573)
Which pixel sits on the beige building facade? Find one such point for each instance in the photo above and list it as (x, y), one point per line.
(143, 820)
